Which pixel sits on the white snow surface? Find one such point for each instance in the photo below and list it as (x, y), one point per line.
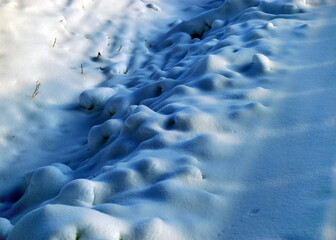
(167, 119)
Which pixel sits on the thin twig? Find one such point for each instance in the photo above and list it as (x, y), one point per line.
(54, 43)
(119, 48)
(82, 71)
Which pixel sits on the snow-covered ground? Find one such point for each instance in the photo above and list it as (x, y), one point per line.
(167, 119)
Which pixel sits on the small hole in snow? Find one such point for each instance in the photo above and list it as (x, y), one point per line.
(170, 123)
(254, 211)
(197, 35)
(159, 91)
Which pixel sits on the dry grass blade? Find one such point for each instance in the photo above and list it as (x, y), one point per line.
(37, 86)
(54, 43)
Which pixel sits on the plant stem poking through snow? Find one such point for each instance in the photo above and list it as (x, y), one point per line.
(54, 43)
(82, 71)
(37, 86)
(119, 48)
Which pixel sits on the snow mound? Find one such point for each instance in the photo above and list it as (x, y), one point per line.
(260, 63)
(66, 222)
(5, 228)
(95, 98)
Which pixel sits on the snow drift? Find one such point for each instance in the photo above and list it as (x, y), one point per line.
(165, 125)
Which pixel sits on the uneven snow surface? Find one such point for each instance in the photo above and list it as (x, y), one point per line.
(167, 119)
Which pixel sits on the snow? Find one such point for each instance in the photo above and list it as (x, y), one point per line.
(95, 98)
(167, 119)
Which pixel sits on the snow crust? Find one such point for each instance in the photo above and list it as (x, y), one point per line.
(150, 115)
